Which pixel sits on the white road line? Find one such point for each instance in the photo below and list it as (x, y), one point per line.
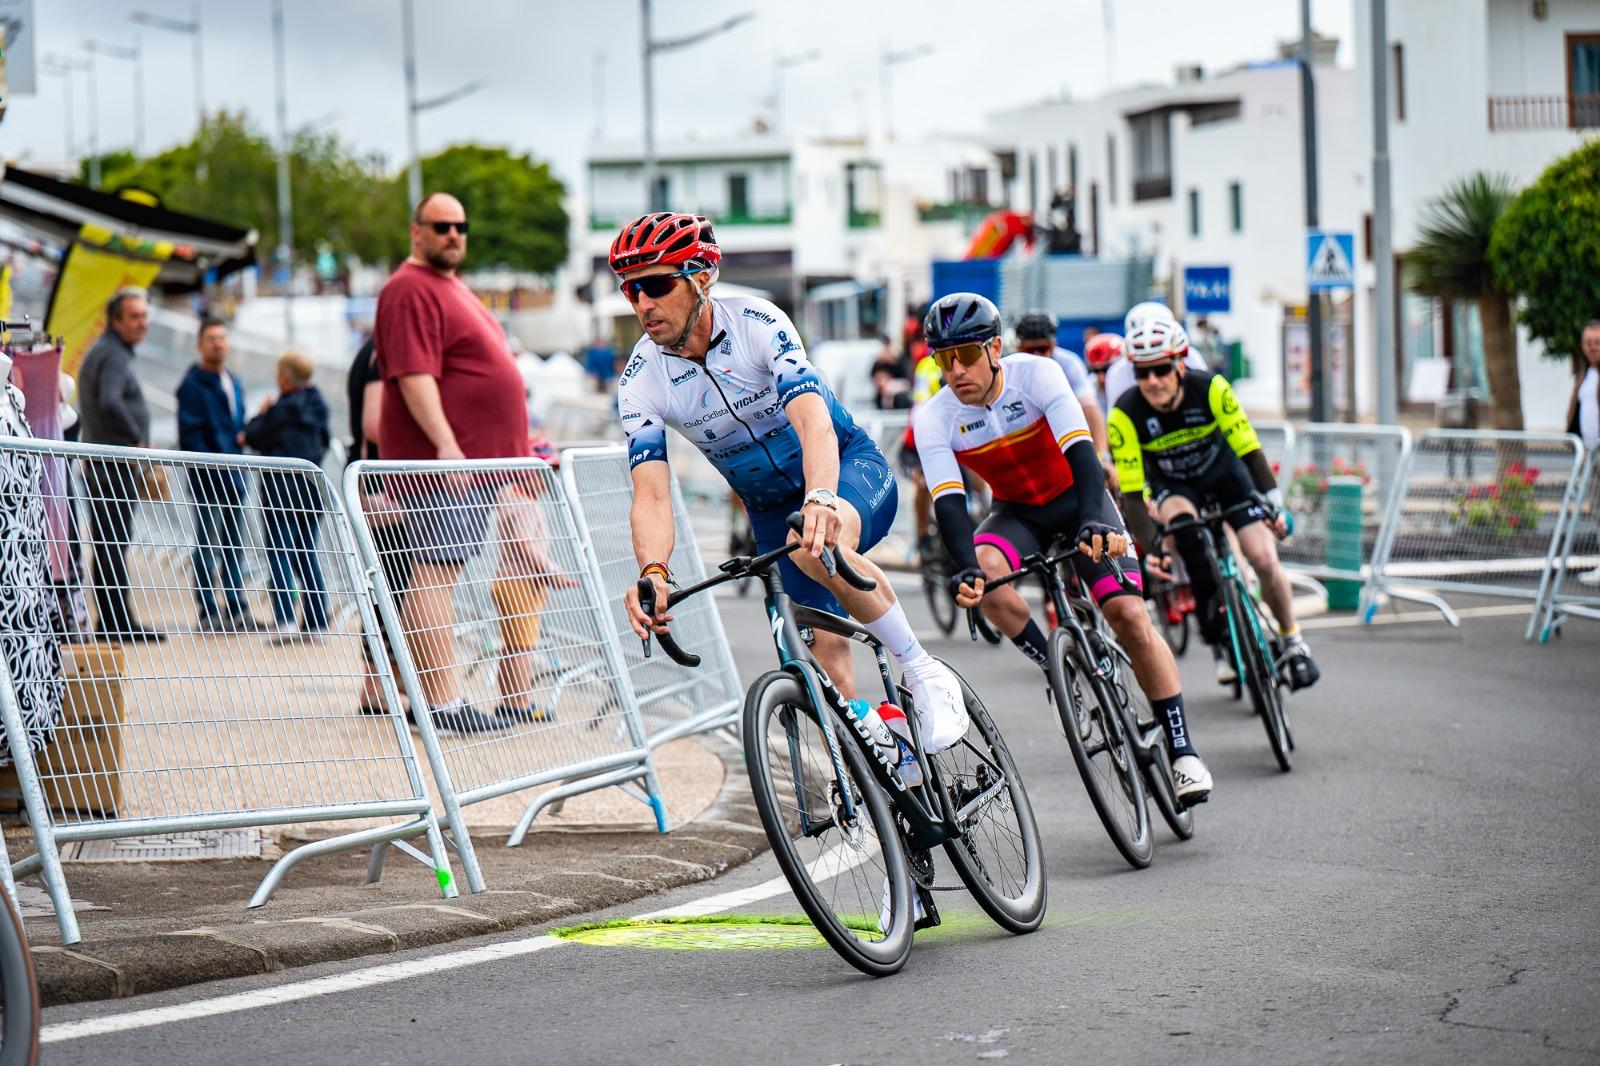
(402, 971)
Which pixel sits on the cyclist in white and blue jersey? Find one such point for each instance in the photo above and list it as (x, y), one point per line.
(731, 376)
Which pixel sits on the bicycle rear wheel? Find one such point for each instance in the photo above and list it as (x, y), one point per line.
(19, 991)
(847, 869)
(998, 856)
(941, 604)
(1259, 677)
(1176, 634)
(1156, 761)
(1100, 747)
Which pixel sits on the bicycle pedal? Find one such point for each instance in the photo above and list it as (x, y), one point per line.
(930, 917)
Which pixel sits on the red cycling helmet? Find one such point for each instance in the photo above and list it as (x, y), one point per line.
(1102, 350)
(664, 237)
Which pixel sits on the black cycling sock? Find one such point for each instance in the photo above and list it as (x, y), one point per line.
(1191, 545)
(1169, 712)
(1031, 643)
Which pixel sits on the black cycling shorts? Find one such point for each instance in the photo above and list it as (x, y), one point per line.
(1226, 484)
(1019, 530)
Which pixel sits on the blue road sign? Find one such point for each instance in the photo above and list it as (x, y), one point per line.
(1206, 289)
(1330, 261)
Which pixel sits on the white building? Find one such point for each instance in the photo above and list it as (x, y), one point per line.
(794, 214)
(1204, 172)
(1505, 86)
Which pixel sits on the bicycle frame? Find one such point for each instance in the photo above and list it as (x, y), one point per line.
(1220, 549)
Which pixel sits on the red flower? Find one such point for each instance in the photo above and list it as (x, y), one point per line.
(1512, 521)
(1474, 493)
(1322, 485)
(1515, 469)
(1531, 475)
(1494, 493)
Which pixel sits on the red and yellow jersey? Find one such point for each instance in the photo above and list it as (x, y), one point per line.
(1014, 443)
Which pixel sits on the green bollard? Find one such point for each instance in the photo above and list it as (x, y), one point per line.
(1342, 510)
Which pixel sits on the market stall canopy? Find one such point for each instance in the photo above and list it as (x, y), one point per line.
(58, 211)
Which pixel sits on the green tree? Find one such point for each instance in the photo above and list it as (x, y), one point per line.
(514, 203)
(1450, 260)
(1546, 248)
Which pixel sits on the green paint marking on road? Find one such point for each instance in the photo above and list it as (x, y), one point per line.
(444, 879)
(727, 932)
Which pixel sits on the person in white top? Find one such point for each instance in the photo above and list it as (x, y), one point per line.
(1119, 379)
(1583, 412)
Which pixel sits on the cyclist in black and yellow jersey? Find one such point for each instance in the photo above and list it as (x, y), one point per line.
(1182, 433)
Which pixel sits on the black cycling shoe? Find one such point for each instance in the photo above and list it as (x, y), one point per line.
(1302, 669)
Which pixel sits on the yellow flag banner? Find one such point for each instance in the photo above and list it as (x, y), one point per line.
(96, 265)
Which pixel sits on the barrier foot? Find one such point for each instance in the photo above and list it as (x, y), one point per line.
(571, 788)
(1430, 600)
(661, 814)
(382, 835)
(380, 852)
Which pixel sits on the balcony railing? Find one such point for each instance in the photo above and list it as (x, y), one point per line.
(1153, 188)
(1580, 111)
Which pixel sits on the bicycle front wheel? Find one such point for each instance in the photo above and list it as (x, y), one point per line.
(1259, 677)
(941, 604)
(998, 855)
(834, 838)
(19, 992)
(1100, 747)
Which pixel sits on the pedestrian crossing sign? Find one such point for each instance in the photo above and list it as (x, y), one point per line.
(1330, 261)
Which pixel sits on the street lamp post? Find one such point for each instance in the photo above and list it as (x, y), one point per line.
(891, 60)
(285, 250)
(1308, 126)
(192, 28)
(781, 66)
(415, 107)
(64, 69)
(135, 55)
(1382, 220)
(650, 49)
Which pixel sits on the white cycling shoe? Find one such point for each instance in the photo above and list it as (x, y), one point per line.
(941, 709)
(1191, 780)
(1226, 674)
(884, 916)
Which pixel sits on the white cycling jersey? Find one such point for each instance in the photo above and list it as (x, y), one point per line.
(1077, 371)
(1120, 378)
(732, 405)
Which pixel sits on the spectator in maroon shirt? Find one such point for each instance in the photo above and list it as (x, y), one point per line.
(451, 391)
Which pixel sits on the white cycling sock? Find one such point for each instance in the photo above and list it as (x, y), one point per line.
(894, 633)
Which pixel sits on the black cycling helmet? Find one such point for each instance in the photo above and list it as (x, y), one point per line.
(1036, 326)
(961, 318)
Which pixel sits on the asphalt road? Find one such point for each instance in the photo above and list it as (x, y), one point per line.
(1422, 888)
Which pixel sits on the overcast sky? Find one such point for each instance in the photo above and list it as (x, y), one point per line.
(545, 58)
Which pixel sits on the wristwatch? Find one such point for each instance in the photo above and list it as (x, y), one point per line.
(825, 497)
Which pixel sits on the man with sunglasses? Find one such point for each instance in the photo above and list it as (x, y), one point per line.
(451, 391)
(1119, 378)
(730, 375)
(1183, 432)
(1036, 335)
(1015, 422)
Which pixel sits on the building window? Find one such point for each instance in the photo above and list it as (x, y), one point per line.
(1050, 168)
(1111, 169)
(663, 194)
(1072, 166)
(738, 197)
(1236, 207)
(1399, 51)
(1033, 182)
(1194, 212)
(1583, 79)
(1152, 155)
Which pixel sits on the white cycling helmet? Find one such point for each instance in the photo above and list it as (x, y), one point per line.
(1154, 340)
(1138, 314)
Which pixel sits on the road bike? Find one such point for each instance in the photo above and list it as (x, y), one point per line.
(853, 838)
(1117, 744)
(1171, 605)
(19, 990)
(936, 567)
(1252, 641)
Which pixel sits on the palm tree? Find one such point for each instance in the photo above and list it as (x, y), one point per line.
(1450, 260)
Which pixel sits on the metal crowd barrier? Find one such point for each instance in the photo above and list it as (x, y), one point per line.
(673, 701)
(1278, 441)
(1476, 512)
(488, 597)
(1574, 588)
(888, 430)
(1339, 484)
(217, 726)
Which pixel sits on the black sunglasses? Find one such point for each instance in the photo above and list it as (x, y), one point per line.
(654, 286)
(1157, 370)
(441, 228)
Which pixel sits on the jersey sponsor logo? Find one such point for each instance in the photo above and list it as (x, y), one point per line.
(685, 376)
(1153, 424)
(631, 416)
(768, 411)
(745, 401)
(759, 316)
(1230, 403)
(1114, 436)
(634, 366)
(970, 426)
(1015, 410)
(782, 342)
(705, 400)
(718, 413)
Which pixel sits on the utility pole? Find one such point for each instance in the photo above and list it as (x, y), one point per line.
(285, 251)
(64, 68)
(192, 28)
(133, 54)
(890, 60)
(649, 47)
(415, 107)
(1382, 220)
(94, 125)
(780, 67)
(1308, 125)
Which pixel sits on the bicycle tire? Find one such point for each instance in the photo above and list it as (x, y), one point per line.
(1107, 765)
(1175, 634)
(1259, 678)
(1158, 766)
(941, 604)
(966, 770)
(765, 704)
(19, 991)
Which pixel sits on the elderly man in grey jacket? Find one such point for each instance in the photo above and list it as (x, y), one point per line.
(112, 410)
